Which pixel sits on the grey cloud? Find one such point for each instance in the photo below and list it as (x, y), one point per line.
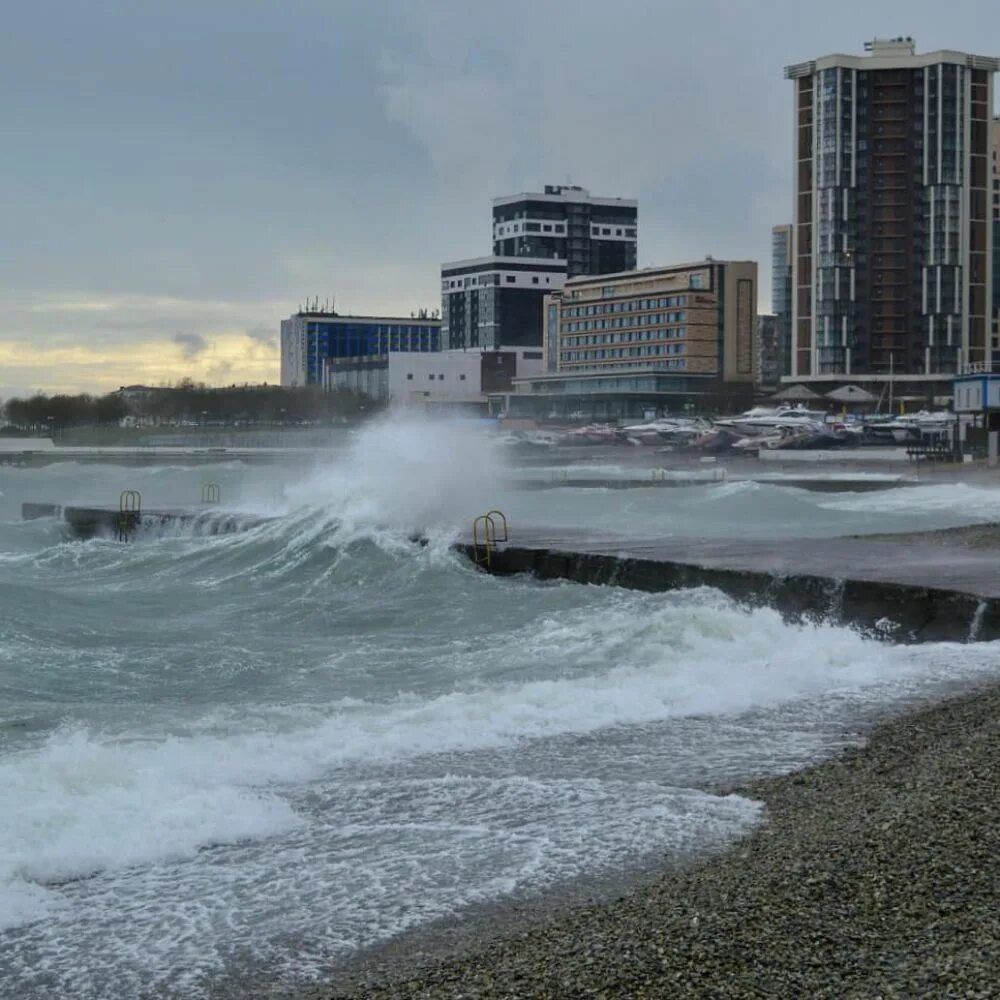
(192, 344)
(205, 197)
(264, 335)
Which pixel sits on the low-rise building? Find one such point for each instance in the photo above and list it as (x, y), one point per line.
(441, 379)
(661, 338)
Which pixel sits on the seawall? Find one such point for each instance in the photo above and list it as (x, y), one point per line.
(902, 600)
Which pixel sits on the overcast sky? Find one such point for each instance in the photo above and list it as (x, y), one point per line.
(175, 178)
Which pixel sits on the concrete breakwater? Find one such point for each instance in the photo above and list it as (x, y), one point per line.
(904, 589)
(111, 522)
(931, 587)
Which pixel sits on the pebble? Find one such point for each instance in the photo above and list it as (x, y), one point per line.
(875, 875)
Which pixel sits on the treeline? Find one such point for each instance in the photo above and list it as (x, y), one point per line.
(187, 403)
(41, 412)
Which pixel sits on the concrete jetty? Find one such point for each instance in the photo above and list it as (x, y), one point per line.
(905, 589)
(141, 455)
(108, 521)
(932, 587)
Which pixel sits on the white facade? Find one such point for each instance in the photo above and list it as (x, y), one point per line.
(293, 352)
(447, 376)
(450, 376)
(976, 393)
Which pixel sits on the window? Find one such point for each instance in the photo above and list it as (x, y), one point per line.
(430, 378)
(534, 280)
(461, 378)
(409, 376)
(441, 378)
(510, 279)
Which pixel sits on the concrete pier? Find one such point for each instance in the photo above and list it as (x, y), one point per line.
(906, 590)
(98, 521)
(938, 586)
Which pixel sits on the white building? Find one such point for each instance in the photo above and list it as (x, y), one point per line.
(404, 378)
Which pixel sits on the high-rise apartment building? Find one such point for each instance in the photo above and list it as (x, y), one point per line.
(593, 235)
(781, 295)
(892, 225)
(996, 243)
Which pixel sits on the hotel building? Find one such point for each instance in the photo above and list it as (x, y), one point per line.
(892, 238)
(660, 339)
(593, 235)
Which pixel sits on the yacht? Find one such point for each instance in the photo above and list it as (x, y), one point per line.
(768, 420)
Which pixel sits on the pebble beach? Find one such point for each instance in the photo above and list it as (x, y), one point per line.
(876, 874)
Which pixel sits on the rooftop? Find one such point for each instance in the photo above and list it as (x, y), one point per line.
(891, 53)
(564, 193)
(648, 272)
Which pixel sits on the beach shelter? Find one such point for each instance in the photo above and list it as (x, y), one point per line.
(796, 394)
(852, 395)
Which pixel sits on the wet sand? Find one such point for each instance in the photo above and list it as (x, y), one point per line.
(874, 875)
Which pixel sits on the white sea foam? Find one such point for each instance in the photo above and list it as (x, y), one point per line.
(80, 804)
(83, 802)
(972, 503)
(410, 472)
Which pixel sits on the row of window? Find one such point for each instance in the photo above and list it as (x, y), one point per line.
(675, 364)
(430, 378)
(645, 351)
(490, 279)
(633, 305)
(557, 229)
(624, 322)
(606, 231)
(677, 333)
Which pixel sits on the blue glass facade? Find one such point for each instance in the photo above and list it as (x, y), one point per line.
(359, 338)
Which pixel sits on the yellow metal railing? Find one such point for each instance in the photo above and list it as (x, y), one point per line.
(485, 537)
(129, 513)
(503, 521)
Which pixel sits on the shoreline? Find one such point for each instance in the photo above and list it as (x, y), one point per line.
(873, 873)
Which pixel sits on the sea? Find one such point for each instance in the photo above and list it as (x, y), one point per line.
(247, 757)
